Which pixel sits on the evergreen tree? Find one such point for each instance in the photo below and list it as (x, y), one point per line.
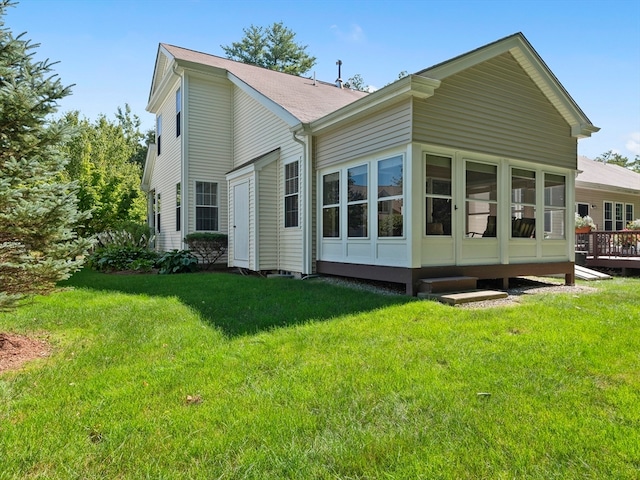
(38, 209)
(273, 48)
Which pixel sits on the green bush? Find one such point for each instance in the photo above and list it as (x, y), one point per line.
(208, 247)
(127, 234)
(118, 258)
(177, 261)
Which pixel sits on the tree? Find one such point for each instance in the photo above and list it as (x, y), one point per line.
(38, 208)
(617, 159)
(271, 47)
(106, 160)
(356, 83)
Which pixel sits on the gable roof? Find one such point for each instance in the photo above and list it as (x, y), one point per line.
(606, 176)
(520, 48)
(297, 99)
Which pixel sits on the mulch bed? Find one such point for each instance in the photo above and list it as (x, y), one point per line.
(15, 350)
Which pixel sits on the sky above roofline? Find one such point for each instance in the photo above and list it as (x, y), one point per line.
(107, 48)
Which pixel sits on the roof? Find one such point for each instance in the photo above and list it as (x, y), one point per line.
(598, 174)
(304, 98)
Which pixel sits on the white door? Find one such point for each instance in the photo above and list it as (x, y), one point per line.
(241, 225)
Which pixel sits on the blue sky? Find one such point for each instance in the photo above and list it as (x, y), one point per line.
(107, 48)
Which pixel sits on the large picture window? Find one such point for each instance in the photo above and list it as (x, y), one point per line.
(481, 200)
(331, 205)
(206, 206)
(390, 200)
(291, 189)
(438, 195)
(357, 206)
(554, 206)
(523, 203)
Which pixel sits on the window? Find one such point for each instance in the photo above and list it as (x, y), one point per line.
(523, 203)
(554, 206)
(206, 206)
(291, 194)
(608, 216)
(158, 133)
(620, 224)
(331, 205)
(481, 199)
(357, 198)
(178, 201)
(390, 206)
(178, 110)
(628, 213)
(158, 213)
(438, 195)
(582, 209)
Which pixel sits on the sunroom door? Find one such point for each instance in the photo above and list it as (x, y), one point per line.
(241, 225)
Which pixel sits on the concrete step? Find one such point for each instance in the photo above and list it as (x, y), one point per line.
(447, 284)
(456, 298)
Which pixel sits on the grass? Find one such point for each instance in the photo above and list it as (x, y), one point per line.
(222, 376)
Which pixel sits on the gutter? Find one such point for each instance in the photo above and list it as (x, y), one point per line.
(307, 227)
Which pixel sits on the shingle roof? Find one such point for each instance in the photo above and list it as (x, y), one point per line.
(599, 173)
(299, 96)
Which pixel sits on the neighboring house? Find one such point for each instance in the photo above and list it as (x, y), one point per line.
(465, 168)
(608, 193)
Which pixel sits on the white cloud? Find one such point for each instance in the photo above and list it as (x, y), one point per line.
(355, 33)
(633, 143)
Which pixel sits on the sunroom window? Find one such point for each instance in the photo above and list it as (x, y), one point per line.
(481, 200)
(390, 200)
(438, 195)
(357, 206)
(523, 203)
(554, 206)
(331, 205)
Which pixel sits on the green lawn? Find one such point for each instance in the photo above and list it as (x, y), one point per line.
(223, 376)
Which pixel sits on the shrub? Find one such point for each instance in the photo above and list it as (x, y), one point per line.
(209, 247)
(177, 261)
(116, 258)
(127, 234)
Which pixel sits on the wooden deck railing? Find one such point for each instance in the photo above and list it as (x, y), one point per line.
(621, 243)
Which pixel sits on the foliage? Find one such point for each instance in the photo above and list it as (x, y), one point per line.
(585, 221)
(177, 261)
(39, 211)
(621, 161)
(225, 376)
(634, 225)
(271, 47)
(119, 258)
(106, 161)
(127, 234)
(356, 83)
(209, 247)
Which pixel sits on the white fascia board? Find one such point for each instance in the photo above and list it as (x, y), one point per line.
(269, 104)
(411, 85)
(255, 166)
(606, 187)
(149, 164)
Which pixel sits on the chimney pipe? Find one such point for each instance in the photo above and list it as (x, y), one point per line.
(339, 79)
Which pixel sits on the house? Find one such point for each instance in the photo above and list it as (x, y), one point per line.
(465, 168)
(608, 193)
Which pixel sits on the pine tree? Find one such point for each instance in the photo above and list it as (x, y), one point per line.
(38, 209)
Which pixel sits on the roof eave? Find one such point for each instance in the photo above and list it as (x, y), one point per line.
(409, 86)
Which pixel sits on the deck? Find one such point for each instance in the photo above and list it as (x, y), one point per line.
(615, 249)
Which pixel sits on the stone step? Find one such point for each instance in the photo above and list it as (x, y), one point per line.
(456, 298)
(447, 284)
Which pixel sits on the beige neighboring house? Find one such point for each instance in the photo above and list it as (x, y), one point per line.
(608, 193)
(464, 168)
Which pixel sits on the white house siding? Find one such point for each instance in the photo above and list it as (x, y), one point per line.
(258, 131)
(385, 129)
(166, 174)
(208, 132)
(495, 108)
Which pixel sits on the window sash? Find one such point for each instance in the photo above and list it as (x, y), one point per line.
(207, 206)
(291, 189)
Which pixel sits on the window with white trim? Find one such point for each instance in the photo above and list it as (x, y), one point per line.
(158, 134)
(357, 201)
(390, 197)
(158, 212)
(291, 191)
(178, 110)
(206, 206)
(628, 213)
(178, 202)
(523, 203)
(554, 206)
(620, 216)
(331, 205)
(481, 200)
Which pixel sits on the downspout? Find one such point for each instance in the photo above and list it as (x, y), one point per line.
(307, 244)
(184, 175)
